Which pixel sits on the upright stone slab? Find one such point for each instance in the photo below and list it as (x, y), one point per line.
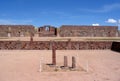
(65, 61)
(77, 46)
(53, 55)
(9, 34)
(73, 62)
(69, 44)
(31, 42)
(58, 32)
(31, 38)
(51, 44)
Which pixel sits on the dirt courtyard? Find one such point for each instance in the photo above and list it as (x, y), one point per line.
(23, 65)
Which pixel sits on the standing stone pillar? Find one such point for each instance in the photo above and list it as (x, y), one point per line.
(77, 46)
(51, 44)
(73, 62)
(31, 42)
(53, 55)
(31, 38)
(9, 32)
(58, 32)
(69, 44)
(65, 61)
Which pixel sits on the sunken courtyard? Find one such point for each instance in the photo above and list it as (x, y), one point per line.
(65, 53)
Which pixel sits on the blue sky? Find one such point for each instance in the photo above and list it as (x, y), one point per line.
(60, 12)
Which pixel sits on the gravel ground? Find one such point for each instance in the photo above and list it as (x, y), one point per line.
(23, 65)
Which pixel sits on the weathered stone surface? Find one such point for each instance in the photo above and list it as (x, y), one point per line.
(65, 61)
(73, 62)
(59, 45)
(88, 31)
(63, 31)
(16, 30)
(47, 31)
(31, 38)
(69, 44)
(53, 55)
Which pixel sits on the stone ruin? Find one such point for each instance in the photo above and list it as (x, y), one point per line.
(88, 31)
(56, 67)
(16, 30)
(63, 31)
(53, 55)
(65, 62)
(47, 31)
(59, 45)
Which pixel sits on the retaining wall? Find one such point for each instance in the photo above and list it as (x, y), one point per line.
(59, 45)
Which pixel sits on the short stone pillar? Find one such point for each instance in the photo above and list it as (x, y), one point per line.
(53, 55)
(31, 38)
(65, 61)
(73, 62)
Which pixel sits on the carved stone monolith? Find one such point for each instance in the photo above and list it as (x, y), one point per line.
(73, 62)
(31, 38)
(65, 61)
(69, 44)
(53, 55)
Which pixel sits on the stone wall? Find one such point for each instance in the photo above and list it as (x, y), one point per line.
(63, 31)
(88, 31)
(59, 45)
(47, 31)
(16, 30)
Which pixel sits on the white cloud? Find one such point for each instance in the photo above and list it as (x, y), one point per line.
(96, 24)
(104, 8)
(111, 21)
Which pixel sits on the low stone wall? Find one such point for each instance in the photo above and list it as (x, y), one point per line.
(59, 45)
(116, 46)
